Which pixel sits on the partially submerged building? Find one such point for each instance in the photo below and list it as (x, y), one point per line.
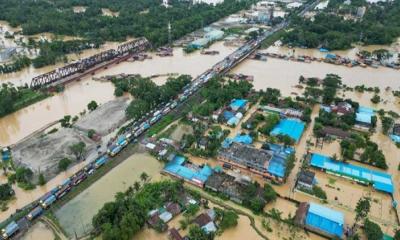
(318, 218)
(395, 135)
(267, 163)
(306, 180)
(379, 180)
(290, 127)
(180, 168)
(329, 131)
(364, 117)
(227, 185)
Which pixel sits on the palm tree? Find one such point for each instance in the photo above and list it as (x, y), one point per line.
(144, 177)
(136, 186)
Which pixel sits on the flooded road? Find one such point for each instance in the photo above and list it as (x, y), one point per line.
(76, 216)
(77, 95)
(26, 197)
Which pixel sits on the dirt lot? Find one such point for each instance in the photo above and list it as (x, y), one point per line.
(42, 152)
(105, 118)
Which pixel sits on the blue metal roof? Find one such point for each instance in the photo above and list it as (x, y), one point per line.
(233, 121)
(277, 164)
(380, 180)
(291, 127)
(176, 167)
(325, 219)
(238, 103)
(228, 115)
(364, 114)
(245, 139)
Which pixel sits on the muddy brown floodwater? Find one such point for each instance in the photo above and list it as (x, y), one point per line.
(39, 231)
(75, 217)
(77, 95)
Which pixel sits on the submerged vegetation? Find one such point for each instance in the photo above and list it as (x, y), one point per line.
(15, 98)
(127, 214)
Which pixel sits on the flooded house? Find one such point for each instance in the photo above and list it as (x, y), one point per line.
(266, 163)
(194, 174)
(320, 219)
(364, 117)
(379, 180)
(306, 180)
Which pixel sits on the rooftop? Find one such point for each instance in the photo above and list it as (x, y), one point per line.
(325, 219)
(246, 155)
(364, 115)
(178, 166)
(379, 180)
(291, 127)
(237, 104)
(307, 177)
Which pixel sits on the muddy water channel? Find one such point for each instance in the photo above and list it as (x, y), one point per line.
(77, 95)
(76, 216)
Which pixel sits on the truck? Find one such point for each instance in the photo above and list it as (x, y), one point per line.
(47, 195)
(36, 212)
(122, 141)
(173, 105)
(114, 150)
(9, 230)
(101, 161)
(63, 190)
(66, 182)
(5, 154)
(50, 200)
(79, 177)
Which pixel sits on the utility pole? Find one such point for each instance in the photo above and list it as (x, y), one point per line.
(169, 34)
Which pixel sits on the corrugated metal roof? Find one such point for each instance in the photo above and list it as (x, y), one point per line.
(291, 127)
(325, 219)
(380, 180)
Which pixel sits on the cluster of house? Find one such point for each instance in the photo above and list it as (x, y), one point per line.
(233, 113)
(205, 221)
(363, 117)
(163, 149)
(159, 218)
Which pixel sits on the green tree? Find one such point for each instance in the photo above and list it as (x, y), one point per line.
(269, 193)
(195, 232)
(229, 219)
(6, 192)
(92, 106)
(144, 177)
(372, 230)
(63, 164)
(78, 149)
(42, 180)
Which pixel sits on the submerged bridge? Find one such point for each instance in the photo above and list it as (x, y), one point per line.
(81, 67)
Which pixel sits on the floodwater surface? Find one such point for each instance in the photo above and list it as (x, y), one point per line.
(75, 217)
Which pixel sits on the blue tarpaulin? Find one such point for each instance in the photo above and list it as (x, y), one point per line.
(237, 104)
(176, 167)
(380, 180)
(291, 127)
(245, 139)
(325, 219)
(277, 164)
(228, 115)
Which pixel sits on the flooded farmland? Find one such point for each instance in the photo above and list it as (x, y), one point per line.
(76, 216)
